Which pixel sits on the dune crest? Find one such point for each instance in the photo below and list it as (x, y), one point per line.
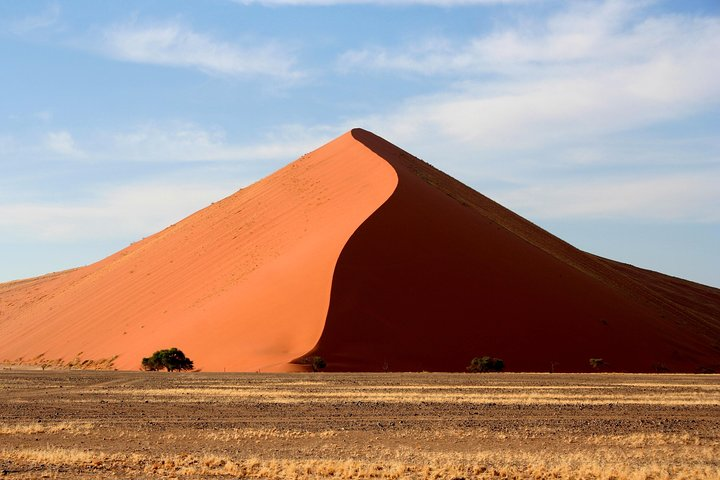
(365, 255)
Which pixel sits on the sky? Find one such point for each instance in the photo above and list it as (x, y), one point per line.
(597, 120)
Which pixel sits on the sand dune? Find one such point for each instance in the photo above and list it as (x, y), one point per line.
(440, 274)
(241, 285)
(371, 258)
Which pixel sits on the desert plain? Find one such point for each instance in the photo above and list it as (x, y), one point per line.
(104, 424)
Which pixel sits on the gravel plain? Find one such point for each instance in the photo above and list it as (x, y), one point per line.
(82, 424)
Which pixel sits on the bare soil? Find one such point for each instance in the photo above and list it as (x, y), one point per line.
(91, 424)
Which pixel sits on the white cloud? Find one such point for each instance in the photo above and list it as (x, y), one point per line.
(437, 3)
(63, 143)
(588, 71)
(678, 197)
(536, 109)
(171, 142)
(611, 31)
(132, 210)
(176, 45)
(46, 18)
(186, 141)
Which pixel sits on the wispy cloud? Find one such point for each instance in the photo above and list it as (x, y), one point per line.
(692, 197)
(586, 71)
(190, 142)
(131, 210)
(437, 3)
(110, 209)
(45, 19)
(536, 107)
(63, 143)
(172, 142)
(177, 45)
(585, 32)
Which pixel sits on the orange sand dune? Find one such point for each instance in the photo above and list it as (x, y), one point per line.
(367, 256)
(243, 284)
(440, 274)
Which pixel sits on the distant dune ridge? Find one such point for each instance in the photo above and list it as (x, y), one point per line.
(374, 260)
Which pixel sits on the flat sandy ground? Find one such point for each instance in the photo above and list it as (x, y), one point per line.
(72, 424)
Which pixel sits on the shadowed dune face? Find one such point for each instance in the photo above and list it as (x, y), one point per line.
(367, 256)
(441, 274)
(242, 285)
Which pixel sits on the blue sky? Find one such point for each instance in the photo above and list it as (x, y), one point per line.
(598, 120)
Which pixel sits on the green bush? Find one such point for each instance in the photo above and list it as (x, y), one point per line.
(170, 359)
(486, 364)
(316, 362)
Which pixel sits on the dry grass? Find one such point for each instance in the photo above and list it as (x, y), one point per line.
(54, 456)
(596, 395)
(620, 456)
(237, 434)
(304, 426)
(76, 363)
(603, 463)
(76, 428)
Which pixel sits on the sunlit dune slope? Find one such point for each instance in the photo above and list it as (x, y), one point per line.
(243, 284)
(374, 260)
(440, 274)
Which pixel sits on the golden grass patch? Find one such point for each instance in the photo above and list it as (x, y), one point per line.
(680, 395)
(77, 428)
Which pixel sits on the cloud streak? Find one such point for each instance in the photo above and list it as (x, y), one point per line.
(175, 45)
(686, 197)
(63, 143)
(31, 23)
(131, 210)
(583, 33)
(530, 104)
(172, 142)
(583, 72)
(434, 3)
(189, 142)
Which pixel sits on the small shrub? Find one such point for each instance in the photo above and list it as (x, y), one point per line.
(597, 363)
(316, 362)
(486, 364)
(170, 359)
(660, 367)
